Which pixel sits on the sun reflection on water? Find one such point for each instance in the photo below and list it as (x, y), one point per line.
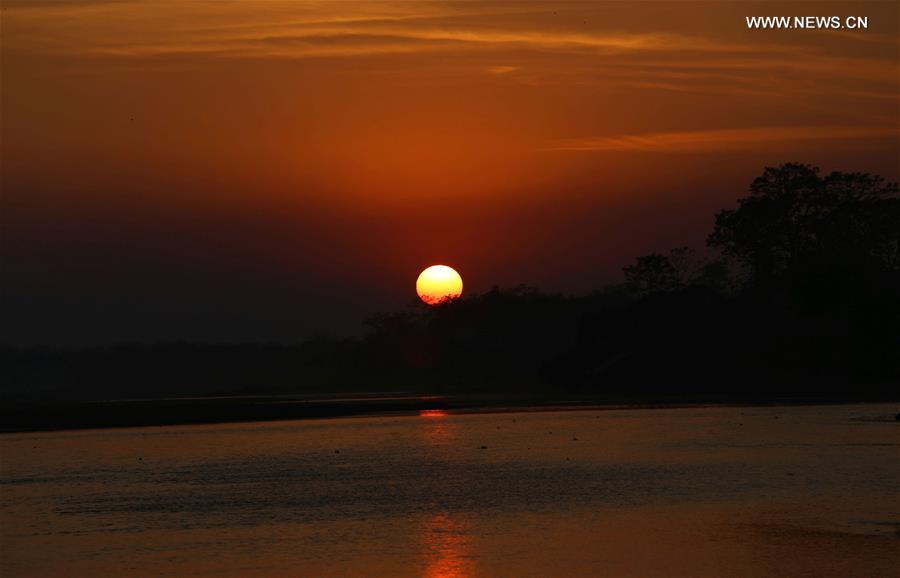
(438, 430)
(447, 546)
(446, 540)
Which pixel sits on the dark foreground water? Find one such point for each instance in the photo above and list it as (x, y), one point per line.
(800, 491)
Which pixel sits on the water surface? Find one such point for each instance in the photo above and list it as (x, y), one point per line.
(799, 491)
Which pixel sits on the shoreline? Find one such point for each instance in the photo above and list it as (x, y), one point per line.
(108, 414)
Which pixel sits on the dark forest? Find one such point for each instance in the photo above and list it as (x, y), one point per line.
(796, 295)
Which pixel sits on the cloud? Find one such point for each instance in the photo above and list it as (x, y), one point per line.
(663, 56)
(719, 140)
(294, 30)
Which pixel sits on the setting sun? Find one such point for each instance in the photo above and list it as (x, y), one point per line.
(438, 283)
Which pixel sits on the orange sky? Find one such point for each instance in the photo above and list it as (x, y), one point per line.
(257, 170)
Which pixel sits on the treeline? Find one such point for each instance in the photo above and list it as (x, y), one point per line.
(801, 296)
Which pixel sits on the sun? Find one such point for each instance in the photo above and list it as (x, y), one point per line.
(438, 283)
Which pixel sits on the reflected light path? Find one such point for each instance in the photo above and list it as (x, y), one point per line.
(446, 541)
(447, 547)
(438, 430)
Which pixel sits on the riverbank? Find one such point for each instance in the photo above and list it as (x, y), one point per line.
(49, 416)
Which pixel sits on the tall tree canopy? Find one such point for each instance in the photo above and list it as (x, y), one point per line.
(797, 224)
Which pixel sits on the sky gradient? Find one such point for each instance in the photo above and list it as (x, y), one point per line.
(227, 171)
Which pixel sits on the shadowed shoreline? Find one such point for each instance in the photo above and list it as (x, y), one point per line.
(19, 418)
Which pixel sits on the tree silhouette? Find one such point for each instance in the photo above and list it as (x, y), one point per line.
(659, 273)
(802, 300)
(653, 273)
(797, 227)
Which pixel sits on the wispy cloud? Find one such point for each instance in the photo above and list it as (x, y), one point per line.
(296, 30)
(657, 56)
(502, 69)
(719, 140)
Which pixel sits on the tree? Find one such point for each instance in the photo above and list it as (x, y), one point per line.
(798, 226)
(658, 273)
(653, 273)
